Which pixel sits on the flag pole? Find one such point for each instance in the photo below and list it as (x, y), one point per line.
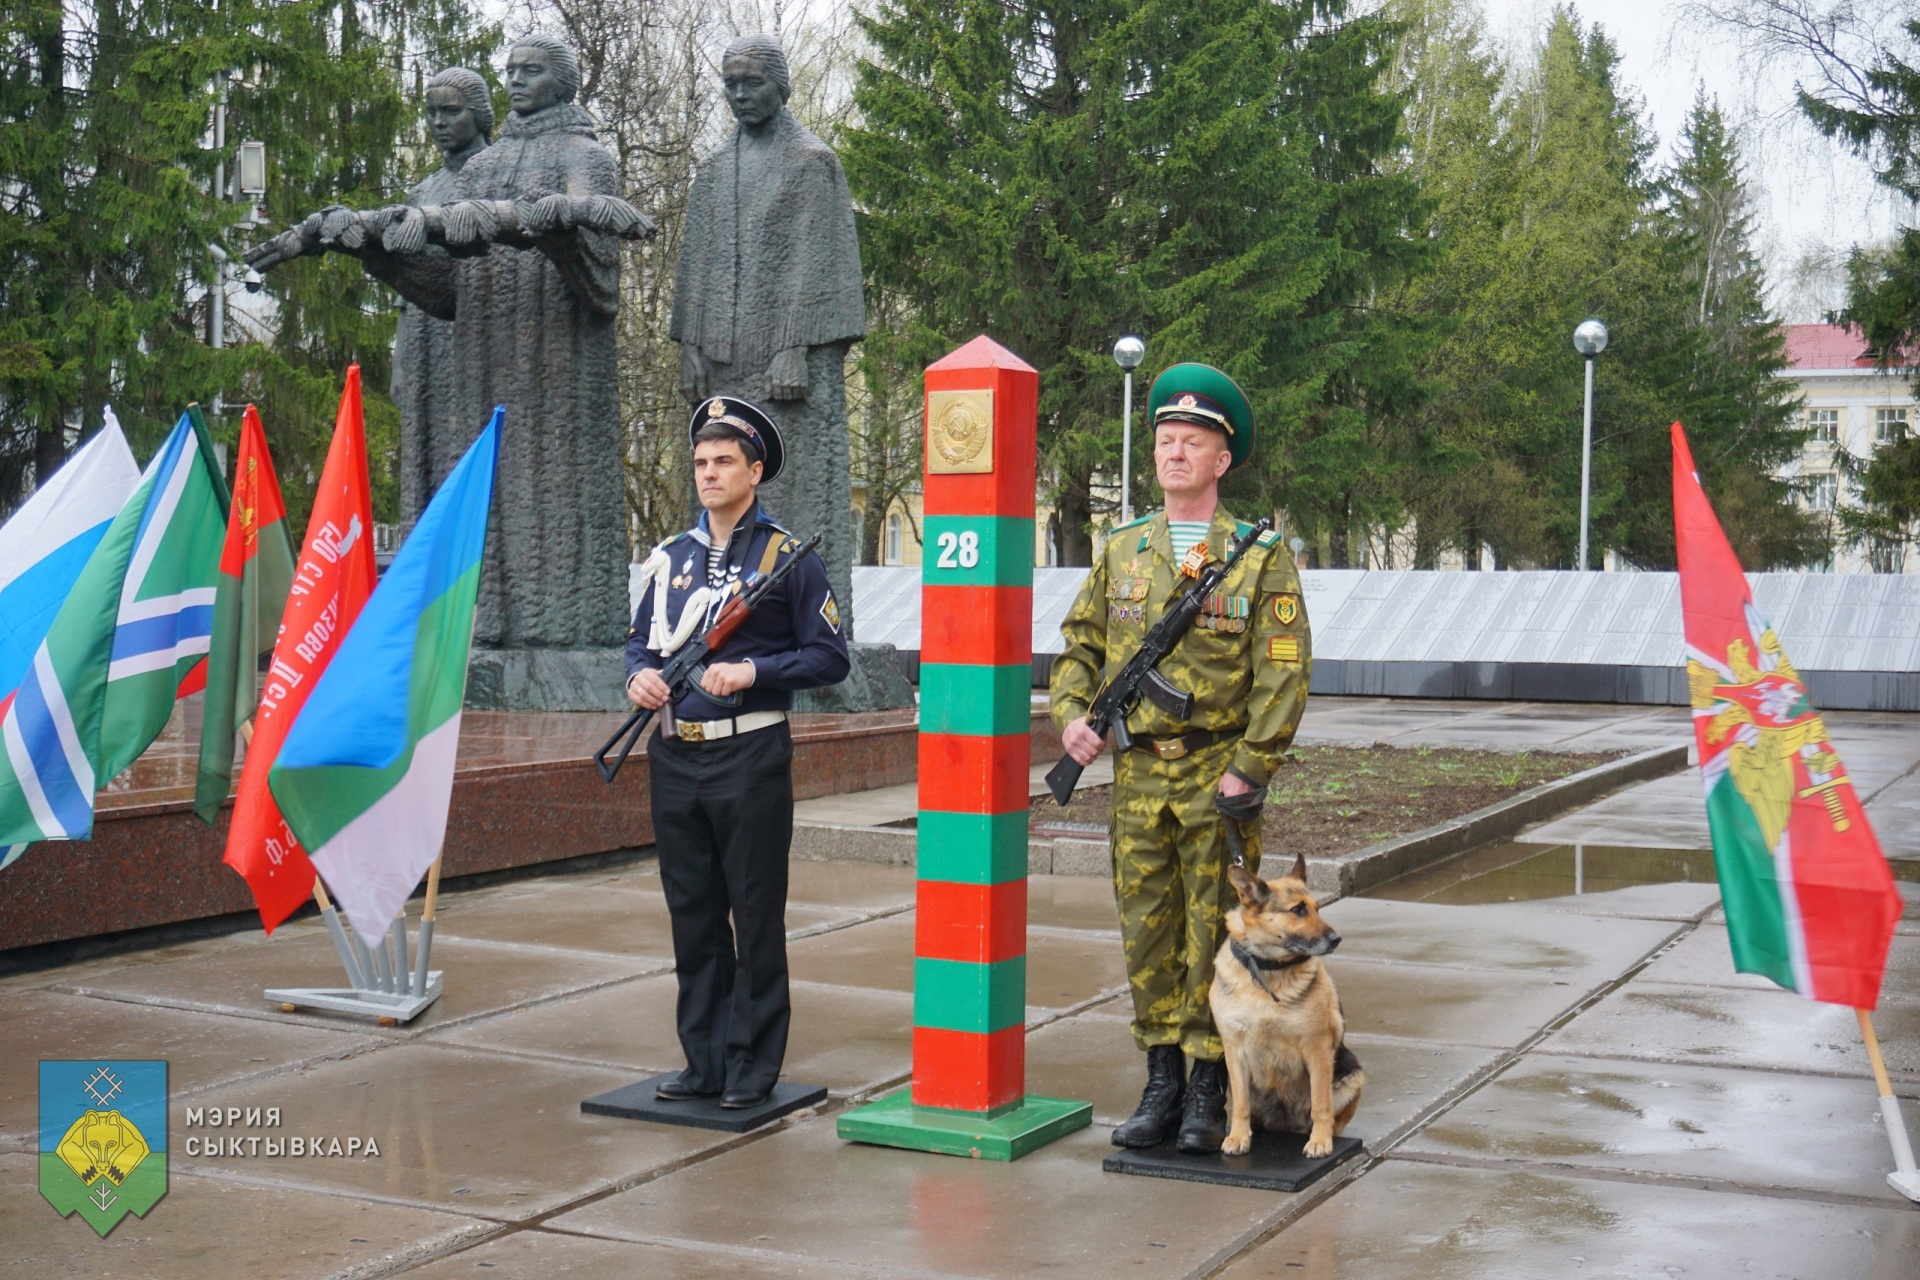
(1905, 1179)
(425, 945)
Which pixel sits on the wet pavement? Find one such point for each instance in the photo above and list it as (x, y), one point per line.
(1560, 1084)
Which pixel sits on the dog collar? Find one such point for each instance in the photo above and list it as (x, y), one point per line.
(1257, 964)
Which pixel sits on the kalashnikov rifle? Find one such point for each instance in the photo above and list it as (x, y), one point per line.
(685, 668)
(1140, 677)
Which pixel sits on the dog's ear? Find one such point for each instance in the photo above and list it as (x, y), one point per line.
(1299, 871)
(1252, 889)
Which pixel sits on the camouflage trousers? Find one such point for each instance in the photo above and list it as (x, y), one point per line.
(1170, 878)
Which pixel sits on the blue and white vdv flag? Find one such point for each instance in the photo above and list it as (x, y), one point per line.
(47, 542)
(102, 683)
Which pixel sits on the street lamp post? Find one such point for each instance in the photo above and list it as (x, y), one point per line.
(1590, 339)
(1127, 353)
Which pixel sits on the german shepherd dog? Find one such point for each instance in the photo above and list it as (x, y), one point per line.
(1288, 1065)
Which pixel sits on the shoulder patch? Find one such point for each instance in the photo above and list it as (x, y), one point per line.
(830, 612)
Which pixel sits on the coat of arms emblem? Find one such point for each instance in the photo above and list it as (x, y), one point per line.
(103, 1138)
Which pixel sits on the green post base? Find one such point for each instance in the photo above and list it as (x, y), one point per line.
(894, 1121)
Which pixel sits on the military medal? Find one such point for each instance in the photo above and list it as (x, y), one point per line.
(1195, 561)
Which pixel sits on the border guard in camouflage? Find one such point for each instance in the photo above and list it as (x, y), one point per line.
(1246, 663)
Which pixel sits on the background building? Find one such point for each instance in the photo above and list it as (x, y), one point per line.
(1852, 407)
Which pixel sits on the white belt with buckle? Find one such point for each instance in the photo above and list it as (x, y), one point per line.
(714, 730)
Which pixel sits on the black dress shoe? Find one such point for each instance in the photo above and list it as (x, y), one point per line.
(741, 1099)
(676, 1089)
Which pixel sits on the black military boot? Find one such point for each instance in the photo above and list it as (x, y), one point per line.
(1203, 1127)
(1159, 1108)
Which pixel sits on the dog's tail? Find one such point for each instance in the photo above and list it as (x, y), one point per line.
(1345, 1065)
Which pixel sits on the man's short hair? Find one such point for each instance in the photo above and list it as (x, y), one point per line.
(721, 431)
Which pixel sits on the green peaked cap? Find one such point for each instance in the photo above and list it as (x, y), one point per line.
(1217, 401)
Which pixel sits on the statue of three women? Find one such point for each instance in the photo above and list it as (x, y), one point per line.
(508, 263)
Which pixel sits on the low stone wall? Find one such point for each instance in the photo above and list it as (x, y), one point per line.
(151, 862)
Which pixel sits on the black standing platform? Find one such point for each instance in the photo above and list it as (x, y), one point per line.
(1276, 1163)
(636, 1102)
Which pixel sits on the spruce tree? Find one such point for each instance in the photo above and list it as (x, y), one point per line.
(1210, 175)
(109, 216)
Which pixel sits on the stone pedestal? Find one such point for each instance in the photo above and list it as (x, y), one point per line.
(875, 683)
(547, 680)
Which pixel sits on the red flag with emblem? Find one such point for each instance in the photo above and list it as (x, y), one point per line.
(1809, 899)
(256, 566)
(331, 581)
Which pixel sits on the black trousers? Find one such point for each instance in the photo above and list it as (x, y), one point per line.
(723, 820)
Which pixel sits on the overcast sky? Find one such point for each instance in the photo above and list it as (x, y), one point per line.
(1811, 194)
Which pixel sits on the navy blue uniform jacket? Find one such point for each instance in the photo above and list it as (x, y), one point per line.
(794, 637)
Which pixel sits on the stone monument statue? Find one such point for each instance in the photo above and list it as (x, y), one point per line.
(425, 378)
(521, 258)
(767, 298)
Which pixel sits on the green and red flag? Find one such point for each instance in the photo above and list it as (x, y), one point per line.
(1809, 899)
(256, 569)
(332, 580)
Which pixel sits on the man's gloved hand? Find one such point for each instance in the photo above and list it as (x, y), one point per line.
(1244, 807)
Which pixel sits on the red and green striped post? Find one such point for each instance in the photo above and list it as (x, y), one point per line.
(976, 654)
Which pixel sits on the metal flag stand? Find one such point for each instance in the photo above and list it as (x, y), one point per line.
(384, 985)
(1905, 1178)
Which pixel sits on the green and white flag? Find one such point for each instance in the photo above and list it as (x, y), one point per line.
(102, 684)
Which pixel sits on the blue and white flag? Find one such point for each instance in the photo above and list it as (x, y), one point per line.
(47, 542)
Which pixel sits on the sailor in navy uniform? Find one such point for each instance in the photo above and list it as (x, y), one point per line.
(722, 777)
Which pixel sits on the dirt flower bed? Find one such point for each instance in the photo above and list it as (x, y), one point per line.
(1332, 800)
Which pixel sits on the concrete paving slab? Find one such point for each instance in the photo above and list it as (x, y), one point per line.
(847, 1039)
(1404, 1221)
(1062, 969)
(1762, 1129)
(1091, 1057)
(1677, 902)
(865, 885)
(553, 913)
(194, 1233)
(1666, 813)
(1454, 1006)
(1072, 902)
(1053, 1212)
(1516, 937)
(1705, 958)
(201, 1049)
(873, 808)
(480, 978)
(458, 1130)
(1895, 814)
(553, 1256)
(1769, 1030)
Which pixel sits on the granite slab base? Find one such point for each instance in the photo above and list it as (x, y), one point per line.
(1276, 1163)
(637, 1102)
(547, 680)
(894, 1121)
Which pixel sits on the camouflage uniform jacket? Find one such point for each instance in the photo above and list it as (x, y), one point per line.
(1246, 659)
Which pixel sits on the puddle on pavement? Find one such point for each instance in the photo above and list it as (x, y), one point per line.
(1523, 872)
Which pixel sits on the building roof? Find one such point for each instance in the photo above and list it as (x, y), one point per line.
(1827, 346)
